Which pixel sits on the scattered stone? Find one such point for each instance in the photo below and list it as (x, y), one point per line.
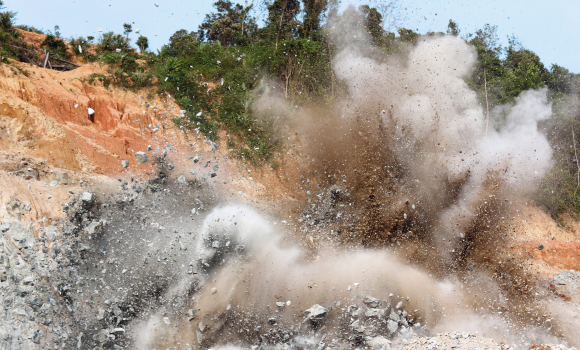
(181, 179)
(4, 227)
(166, 320)
(213, 290)
(280, 304)
(149, 148)
(124, 163)
(195, 159)
(540, 246)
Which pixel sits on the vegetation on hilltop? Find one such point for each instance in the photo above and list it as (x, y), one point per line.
(212, 71)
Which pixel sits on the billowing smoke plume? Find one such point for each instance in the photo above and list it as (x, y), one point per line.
(414, 114)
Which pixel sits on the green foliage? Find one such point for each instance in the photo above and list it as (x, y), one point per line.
(110, 42)
(11, 43)
(407, 35)
(143, 43)
(54, 45)
(80, 47)
(281, 23)
(311, 25)
(230, 25)
(453, 28)
(104, 79)
(6, 20)
(127, 29)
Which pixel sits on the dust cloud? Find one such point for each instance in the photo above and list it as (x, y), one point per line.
(409, 131)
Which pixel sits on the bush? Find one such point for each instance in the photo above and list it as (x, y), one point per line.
(110, 42)
(56, 46)
(84, 45)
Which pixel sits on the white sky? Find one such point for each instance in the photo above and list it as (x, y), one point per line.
(551, 29)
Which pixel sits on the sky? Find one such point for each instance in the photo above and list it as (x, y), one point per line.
(549, 28)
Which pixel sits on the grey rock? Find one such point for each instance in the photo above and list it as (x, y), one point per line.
(50, 232)
(215, 167)
(149, 148)
(181, 179)
(378, 343)
(36, 337)
(103, 336)
(125, 163)
(195, 159)
(375, 313)
(4, 227)
(94, 227)
(118, 331)
(371, 302)
(141, 157)
(357, 328)
(540, 246)
(87, 197)
(394, 316)
(316, 313)
(100, 314)
(392, 326)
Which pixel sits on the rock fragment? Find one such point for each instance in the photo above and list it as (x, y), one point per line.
(315, 314)
(87, 197)
(371, 301)
(141, 157)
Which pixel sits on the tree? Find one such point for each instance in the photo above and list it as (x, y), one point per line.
(230, 24)
(281, 23)
(313, 10)
(373, 22)
(6, 20)
(181, 43)
(57, 31)
(127, 28)
(453, 28)
(142, 43)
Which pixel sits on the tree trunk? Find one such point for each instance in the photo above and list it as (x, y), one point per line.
(486, 101)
